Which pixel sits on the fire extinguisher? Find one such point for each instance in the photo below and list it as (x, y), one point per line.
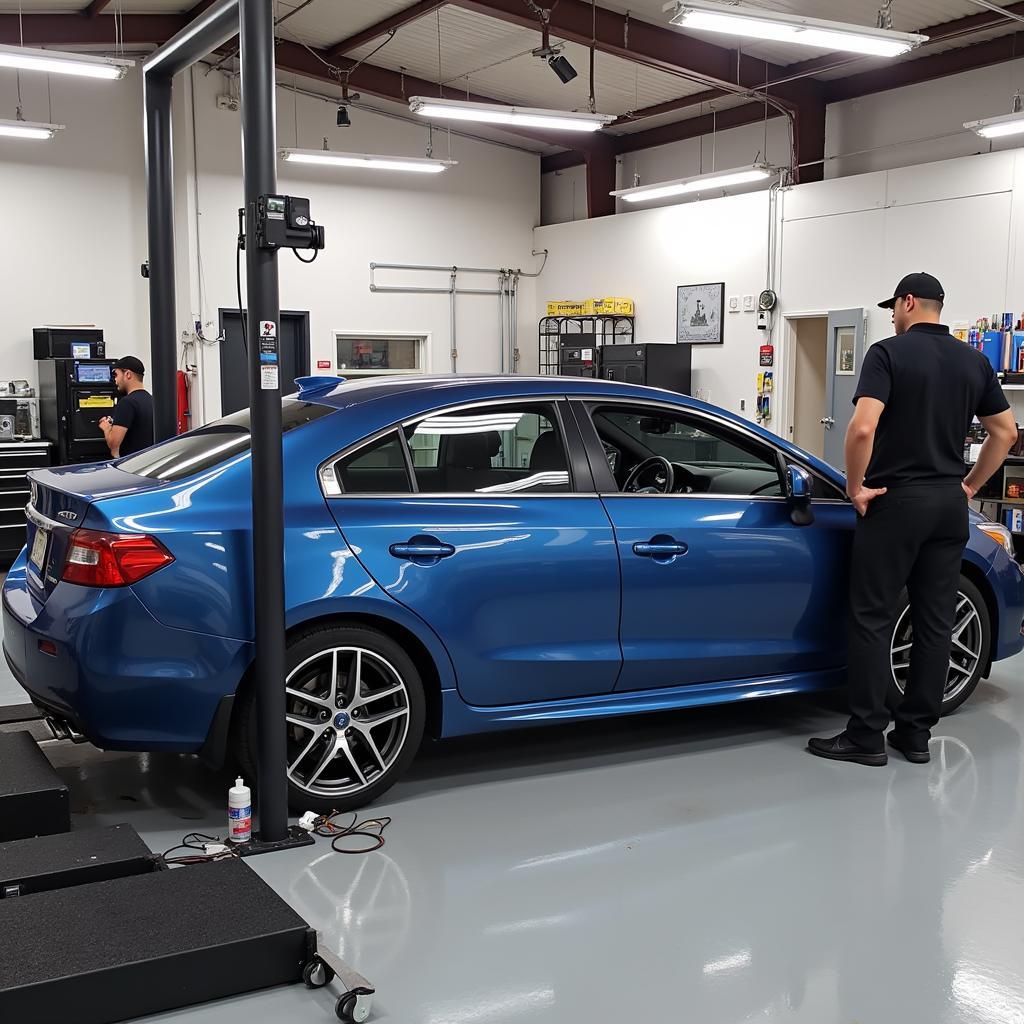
(184, 412)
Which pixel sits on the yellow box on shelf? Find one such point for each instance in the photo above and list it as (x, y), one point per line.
(569, 308)
(614, 306)
(592, 307)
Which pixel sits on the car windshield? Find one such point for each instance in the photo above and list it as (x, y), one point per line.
(208, 446)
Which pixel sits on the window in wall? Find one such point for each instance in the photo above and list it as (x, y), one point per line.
(502, 449)
(365, 355)
(709, 459)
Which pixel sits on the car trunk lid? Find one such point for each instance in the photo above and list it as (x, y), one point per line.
(60, 500)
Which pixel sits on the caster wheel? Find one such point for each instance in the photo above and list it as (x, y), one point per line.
(316, 974)
(349, 1010)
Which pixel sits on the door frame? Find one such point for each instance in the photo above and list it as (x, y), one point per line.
(303, 362)
(786, 362)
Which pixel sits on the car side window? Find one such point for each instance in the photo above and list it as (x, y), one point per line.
(376, 468)
(499, 449)
(709, 459)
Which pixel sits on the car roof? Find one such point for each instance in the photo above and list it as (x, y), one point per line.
(342, 393)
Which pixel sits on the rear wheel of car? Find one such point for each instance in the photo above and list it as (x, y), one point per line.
(969, 651)
(355, 715)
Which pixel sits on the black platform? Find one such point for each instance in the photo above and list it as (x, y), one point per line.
(45, 863)
(124, 948)
(33, 799)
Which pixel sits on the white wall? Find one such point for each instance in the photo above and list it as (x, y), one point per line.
(841, 243)
(479, 213)
(903, 127)
(74, 218)
(645, 255)
(919, 123)
(76, 226)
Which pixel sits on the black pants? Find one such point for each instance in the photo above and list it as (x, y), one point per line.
(912, 537)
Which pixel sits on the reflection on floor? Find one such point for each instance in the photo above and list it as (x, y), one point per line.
(695, 866)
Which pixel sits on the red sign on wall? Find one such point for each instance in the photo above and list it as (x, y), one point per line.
(323, 364)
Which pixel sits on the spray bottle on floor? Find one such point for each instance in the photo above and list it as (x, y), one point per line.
(239, 812)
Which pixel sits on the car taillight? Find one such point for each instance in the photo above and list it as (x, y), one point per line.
(97, 559)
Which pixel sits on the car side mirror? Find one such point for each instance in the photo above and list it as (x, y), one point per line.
(799, 490)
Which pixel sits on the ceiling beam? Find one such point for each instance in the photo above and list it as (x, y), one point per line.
(74, 30)
(391, 24)
(927, 69)
(97, 7)
(655, 46)
(194, 12)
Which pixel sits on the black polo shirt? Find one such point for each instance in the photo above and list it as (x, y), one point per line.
(932, 386)
(134, 412)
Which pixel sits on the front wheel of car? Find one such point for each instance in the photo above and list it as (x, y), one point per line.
(969, 650)
(355, 715)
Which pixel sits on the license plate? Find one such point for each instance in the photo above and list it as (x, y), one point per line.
(38, 556)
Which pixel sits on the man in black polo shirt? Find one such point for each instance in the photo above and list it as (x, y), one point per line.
(130, 429)
(917, 395)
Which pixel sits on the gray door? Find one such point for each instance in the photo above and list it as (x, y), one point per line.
(845, 354)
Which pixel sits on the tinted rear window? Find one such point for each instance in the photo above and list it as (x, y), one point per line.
(213, 444)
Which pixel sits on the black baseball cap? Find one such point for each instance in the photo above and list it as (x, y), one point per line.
(130, 363)
(921, 286)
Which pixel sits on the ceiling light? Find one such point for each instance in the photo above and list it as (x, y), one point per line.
(366, 161)
(699, 183)
(28, 129)
(58, 63)
(495, 113)
(758, 23)
(998, 127)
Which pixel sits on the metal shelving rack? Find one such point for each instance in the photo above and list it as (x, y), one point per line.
(598, 330)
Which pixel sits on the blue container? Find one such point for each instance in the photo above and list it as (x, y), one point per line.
(992, 348)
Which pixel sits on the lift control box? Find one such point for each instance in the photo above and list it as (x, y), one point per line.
(283, 222)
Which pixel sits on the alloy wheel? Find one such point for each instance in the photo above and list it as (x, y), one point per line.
(964, 654)
(348, 718)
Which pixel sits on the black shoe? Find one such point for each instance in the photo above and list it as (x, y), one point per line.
(842, 748)
(914, 756)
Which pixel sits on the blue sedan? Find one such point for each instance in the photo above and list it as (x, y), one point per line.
(463, 555)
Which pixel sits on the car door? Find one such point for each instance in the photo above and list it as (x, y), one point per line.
(485, 523)
(718, 583)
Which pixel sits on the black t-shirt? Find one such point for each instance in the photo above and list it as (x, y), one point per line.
(932, 386)
(134, 412)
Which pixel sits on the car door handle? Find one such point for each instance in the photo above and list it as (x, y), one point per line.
(422, 549)
(660, 549)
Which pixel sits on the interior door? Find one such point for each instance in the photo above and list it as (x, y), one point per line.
(293, 339)
(501, 547)
(717, 582)
(845, 355)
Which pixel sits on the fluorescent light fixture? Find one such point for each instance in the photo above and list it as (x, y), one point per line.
(495, 113)
(998, 127)
(367, 161)
(28, 129)
(699, 183)
(758, 23)
(57, 63)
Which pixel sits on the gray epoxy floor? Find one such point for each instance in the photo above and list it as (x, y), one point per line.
(694, 866)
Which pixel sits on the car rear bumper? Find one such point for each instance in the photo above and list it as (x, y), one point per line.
(122, 679)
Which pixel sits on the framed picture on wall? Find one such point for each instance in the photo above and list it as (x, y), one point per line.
(700, 311)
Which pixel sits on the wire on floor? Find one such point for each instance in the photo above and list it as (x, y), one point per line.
(328, 827)
(198, 842)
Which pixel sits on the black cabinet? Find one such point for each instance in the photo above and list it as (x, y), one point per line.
(16, 459)
(657, 366)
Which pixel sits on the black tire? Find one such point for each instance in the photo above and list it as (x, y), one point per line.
(966, 686)
(384, 658)
(317, 974)
(345, 1008)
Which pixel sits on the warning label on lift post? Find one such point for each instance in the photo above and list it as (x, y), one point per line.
(269, 378)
